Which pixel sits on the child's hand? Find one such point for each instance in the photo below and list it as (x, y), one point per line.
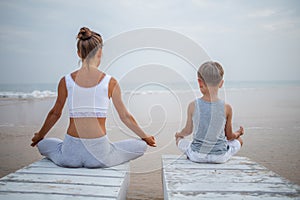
(150, 140)
(36, 138)
(241, 130)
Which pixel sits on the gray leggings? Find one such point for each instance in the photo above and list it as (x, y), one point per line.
(90, 153)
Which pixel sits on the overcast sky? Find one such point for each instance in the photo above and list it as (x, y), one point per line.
(254, 40)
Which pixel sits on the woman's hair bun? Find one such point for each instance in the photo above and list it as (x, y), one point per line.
(84, 34)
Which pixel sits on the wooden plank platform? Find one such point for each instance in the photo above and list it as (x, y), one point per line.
(239, 178)
(44, 180)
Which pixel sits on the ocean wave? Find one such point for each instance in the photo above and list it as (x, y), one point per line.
(36, 94)
(48, 94)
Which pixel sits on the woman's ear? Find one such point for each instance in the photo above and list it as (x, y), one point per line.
(99, 53)
(221, 83)
(79, 54)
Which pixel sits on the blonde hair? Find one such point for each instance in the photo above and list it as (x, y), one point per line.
(211, 73)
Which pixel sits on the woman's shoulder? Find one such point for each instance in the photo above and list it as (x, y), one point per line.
(111, 86)
(69, 77)
(112, 82)
(72, 74)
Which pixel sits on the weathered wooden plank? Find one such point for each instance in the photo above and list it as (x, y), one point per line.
(123, 189)
(229, 187)
(48, 164)
(183, 157)
(73, 171)
(224, 176)
(230, 196)
(234, 164)
(230, 162)
(240, 178)
(45, 180)
(66, 179)
(215, 167)
(30, 196)
(64, 189)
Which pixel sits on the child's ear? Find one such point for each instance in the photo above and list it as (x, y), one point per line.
(200, 82)
(221, 83)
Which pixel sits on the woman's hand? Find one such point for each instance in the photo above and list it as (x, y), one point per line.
(178, 137)
(150, 140)
(36, 138)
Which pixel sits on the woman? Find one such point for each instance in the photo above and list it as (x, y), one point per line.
(88, 91)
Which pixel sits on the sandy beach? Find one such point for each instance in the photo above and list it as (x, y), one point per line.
(271, 117)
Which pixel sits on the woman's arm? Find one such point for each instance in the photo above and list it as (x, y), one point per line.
(125, 116)
(228, 127)
(188, 129)
(54, 114)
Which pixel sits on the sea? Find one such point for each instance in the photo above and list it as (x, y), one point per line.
(48, 90)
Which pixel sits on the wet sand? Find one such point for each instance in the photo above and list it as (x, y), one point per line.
(271, 118)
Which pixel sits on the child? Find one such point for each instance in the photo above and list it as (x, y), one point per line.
(210, 121)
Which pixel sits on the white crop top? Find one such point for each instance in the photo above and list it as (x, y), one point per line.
(87, 101)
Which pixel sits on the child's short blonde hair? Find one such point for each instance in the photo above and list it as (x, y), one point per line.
(211, 73)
